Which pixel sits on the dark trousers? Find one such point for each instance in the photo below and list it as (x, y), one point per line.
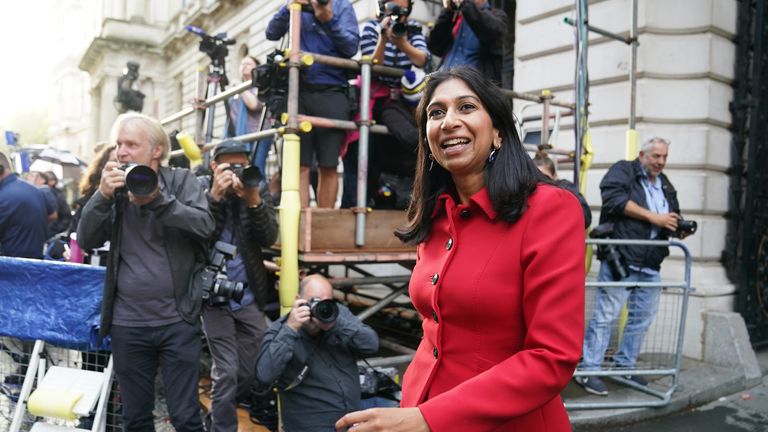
(233, 338)
(138, 352)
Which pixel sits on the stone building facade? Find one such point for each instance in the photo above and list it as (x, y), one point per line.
(685, 69)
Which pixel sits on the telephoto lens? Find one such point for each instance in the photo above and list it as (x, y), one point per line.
(326, 311)
(251, 176)
(141, 180)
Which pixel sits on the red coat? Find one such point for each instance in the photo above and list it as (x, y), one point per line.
(502, 309)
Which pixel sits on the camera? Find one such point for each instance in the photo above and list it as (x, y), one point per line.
(325, 311)
(141, 180)
(272, 82)
(217, 289)
(685, 227)
(249, 175)
(609, 253)
(395, 12)
(216, 48)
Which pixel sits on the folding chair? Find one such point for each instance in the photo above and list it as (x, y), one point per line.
(63, 395)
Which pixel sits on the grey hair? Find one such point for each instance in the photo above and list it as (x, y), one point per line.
(154, 130)
(648, 144)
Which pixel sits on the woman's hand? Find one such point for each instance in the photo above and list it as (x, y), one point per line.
(383, 419)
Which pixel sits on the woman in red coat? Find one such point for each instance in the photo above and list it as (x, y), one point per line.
(499, 278)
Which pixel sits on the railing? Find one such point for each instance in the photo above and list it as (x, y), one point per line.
(662, 348)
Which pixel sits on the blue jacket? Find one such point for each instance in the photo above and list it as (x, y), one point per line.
(339, 37)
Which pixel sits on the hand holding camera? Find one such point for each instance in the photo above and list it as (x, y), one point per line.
(242, 181)
(112, 178)
(325, 311)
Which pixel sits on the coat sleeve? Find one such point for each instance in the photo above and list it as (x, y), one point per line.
(262, 225)
(343, 31)
(276, 351)
(441, 37)
(552, 261)
(356, 337)
(95, 224)
(615, 188)
(278, 25)
(488, 24)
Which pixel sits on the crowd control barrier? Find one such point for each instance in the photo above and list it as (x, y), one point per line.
(661, 350)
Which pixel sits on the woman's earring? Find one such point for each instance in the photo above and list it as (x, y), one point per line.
(492, 156)
(431, 161)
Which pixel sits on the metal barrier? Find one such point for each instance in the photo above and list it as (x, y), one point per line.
(661, 351)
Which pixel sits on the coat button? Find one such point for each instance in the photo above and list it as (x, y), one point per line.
(449, 244)
(434, 352)
(464, 213)
(435, 277)
(434, 316)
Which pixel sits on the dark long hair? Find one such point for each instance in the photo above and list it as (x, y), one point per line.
(510, 179)
(92, 177)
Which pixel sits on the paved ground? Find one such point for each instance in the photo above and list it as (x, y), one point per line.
(709, 399)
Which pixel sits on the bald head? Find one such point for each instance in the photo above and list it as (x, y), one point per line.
(315, 286)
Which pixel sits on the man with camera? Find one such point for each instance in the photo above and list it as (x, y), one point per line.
(157, 221)
(328, 27)
(641, 203)
(470, 32)
(234, 329)
(310, 354)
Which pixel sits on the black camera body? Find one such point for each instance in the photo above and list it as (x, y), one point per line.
(141, 180)
(216, 48)
(395, 12)
(684, 227)
(217, 289)
(609, 252)
(325, 311)
(250, 175)
(272, 81)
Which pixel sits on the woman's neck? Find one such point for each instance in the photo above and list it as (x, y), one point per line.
(466, 186)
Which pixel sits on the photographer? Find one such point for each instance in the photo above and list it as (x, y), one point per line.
(392, 40)
(311, 355)
(470, 32)
(642, 204)
(245, 111)
(328, 27)
(234, 330)
(157, 231)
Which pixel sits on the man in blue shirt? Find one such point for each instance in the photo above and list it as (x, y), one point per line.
(23, 216)
(329, 29)
(642, 204)
(471, 33)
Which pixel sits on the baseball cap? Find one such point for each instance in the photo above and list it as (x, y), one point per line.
(229, 146)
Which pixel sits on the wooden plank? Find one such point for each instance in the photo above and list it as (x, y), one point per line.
(333, 230)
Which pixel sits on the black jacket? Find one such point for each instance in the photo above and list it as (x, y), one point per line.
(183, 210)
(258, 229)
(489, 25)
(622, 183)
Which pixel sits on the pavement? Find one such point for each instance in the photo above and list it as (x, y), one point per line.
(708, 398)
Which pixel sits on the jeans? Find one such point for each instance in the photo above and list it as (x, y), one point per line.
(643, 303)
(260, 157)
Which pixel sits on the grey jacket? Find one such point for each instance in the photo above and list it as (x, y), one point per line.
(330, 386)
(183, 208)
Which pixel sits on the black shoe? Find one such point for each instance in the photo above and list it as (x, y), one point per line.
(592, 384)
(637, 379)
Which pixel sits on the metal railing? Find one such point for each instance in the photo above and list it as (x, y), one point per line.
(660, 357)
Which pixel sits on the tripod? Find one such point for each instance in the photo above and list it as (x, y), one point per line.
(216, 48)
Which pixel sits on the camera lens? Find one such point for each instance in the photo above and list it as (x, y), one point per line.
(251, 176)
(141, 180)
(399, 29)
(326, 311)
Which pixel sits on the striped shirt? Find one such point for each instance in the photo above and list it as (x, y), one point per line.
(392, 55)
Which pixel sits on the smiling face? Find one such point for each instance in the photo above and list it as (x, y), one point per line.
(459, 130)
(654, 160)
